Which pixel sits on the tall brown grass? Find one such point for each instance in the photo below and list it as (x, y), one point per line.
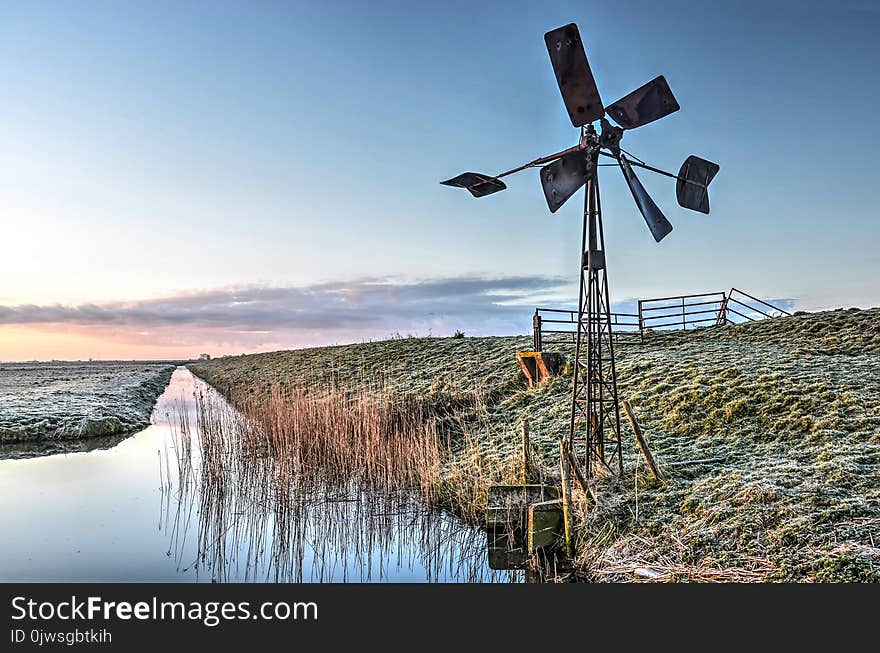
(367, 439)
(329, 439)
(315, 486)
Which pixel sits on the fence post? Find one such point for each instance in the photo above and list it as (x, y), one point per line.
(536, 327)
(641, 322)
(727, 305)
(683, 323)
(567, 512)
(722, 311)
(640, 440)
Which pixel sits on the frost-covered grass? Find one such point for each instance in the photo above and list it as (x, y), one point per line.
(70, 401)
(790, 406)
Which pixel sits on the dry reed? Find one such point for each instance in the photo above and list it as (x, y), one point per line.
(330, 439)
(327, 485)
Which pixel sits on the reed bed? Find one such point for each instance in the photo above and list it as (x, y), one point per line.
(315, 486)
(331, 439)
(368, 439)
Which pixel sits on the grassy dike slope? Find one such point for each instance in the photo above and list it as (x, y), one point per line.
(791, 406)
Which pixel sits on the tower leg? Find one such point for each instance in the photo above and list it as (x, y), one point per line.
(594, 430)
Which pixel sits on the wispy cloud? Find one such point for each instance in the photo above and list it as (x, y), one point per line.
(256, 316)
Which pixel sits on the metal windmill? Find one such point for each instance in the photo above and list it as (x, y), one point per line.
(594, 431)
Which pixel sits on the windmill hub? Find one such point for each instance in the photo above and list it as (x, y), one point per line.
(611, 137)
(594, 433)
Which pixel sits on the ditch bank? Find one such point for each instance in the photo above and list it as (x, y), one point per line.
(785, 412)
(75, 401)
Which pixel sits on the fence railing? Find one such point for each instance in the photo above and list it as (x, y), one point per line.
(562, 325)
(748, 304)
(681, 311)
(659, 314)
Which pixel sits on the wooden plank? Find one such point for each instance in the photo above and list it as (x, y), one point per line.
(546, 525)
(585, 485)
(566, 498)
(643, 445)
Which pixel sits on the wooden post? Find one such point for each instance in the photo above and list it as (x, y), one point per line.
(641, 322)
(525, 452)
(536, 328)
(643, 446)
(585, 486)
(566, 496)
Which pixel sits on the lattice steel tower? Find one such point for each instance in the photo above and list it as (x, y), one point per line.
(594, 429)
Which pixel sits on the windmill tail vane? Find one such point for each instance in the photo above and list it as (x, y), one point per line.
(594, 434)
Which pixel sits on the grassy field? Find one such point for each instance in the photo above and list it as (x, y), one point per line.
(791, 407)
(74, 401)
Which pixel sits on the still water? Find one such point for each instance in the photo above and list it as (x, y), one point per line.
(137, 511)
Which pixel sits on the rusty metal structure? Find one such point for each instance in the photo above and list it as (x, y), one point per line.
(594, 440)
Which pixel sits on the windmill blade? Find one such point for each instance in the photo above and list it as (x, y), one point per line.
(478, 184)
(562, 178)
(692, 187)
(646, 104)
(573, 74)
(657, 222)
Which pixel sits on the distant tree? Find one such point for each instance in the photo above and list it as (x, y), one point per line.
(458, 334)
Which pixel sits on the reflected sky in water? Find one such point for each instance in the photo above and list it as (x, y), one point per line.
(128, 514)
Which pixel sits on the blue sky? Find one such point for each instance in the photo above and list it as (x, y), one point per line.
(164, 150)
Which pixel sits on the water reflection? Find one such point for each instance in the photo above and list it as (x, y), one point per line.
(252, 523)
(21, 450)
(245, 537)
(144, 511)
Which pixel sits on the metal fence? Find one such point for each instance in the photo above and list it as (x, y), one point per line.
(554, 325)
(682, 311)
